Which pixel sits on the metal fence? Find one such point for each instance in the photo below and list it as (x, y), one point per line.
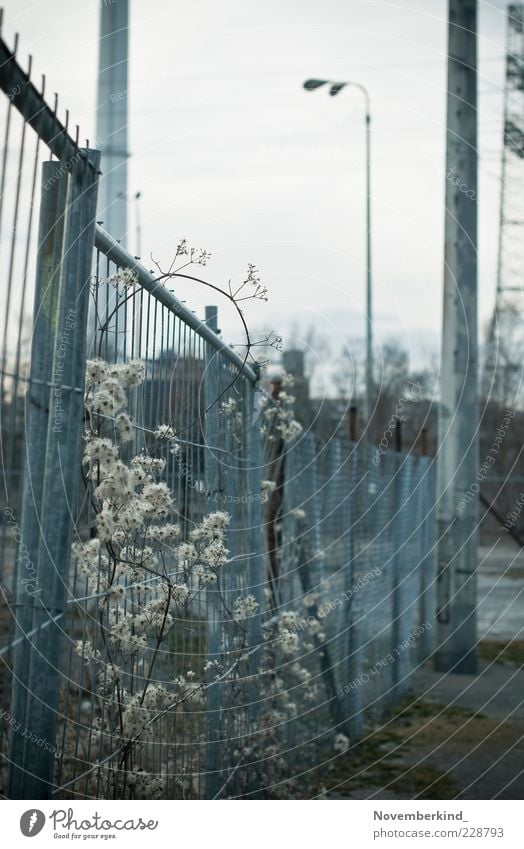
(198, 599)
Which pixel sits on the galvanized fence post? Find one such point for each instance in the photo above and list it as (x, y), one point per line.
(213, 611)
(395, 566)
(256, 537)
(255, 577)
(53, 194)
(428, 573)
(400, 599)
(354, 665)
(310, 543)
(61, 476)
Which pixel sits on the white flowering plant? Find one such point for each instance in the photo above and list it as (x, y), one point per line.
(139, 574)
(144, 575)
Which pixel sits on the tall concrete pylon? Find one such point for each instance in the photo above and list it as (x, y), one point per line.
(112, 116)
(457, 460)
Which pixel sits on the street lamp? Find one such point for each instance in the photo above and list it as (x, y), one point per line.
(311, 85)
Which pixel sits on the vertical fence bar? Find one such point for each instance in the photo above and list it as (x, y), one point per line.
(401, 602)
(353, 666)
(256, 535)
(357, 626)
(396, 568)
(427, 568)
(213, 610)
(310, 543)
(47, 286)
(63, 458)
(255, 578)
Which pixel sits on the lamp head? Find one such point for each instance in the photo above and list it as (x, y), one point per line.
(335, 88)
(311, 85)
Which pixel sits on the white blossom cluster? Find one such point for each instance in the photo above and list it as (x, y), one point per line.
(289, 641)
(279, 419)
(287, 381)
(310, 599)
(228, 407)
(130, 499)
(244, 607)
(165, 431)
(206, 552)
(298, 513)
(129, 626)
(146, 785)
(189, 690)
(140, 708)
(286, 629)
(107, 384)
(341, 743)
(268, 486)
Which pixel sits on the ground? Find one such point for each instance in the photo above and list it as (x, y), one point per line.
(454, 736)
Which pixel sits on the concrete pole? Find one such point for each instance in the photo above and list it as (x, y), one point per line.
(458, 415)
(112, 117)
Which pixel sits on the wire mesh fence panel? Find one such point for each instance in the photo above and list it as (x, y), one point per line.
(377, 601)
(198, 598)
(301, 673)
(367, 528)
(162, 605)
(405, 558)
(234, 597)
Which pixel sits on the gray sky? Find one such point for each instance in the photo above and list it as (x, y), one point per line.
(230, 152)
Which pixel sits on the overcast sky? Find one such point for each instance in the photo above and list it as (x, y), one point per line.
(230, 152)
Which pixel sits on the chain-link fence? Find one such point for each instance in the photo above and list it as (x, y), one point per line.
(198, 598)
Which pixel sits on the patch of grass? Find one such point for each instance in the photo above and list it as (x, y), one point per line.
(425, 782)
(502, 651)
(369, 764)
(379, 761)
(414, 709)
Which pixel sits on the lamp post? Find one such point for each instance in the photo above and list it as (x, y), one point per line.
(311, 85)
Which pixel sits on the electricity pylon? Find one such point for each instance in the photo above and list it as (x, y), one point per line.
(502, 377)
